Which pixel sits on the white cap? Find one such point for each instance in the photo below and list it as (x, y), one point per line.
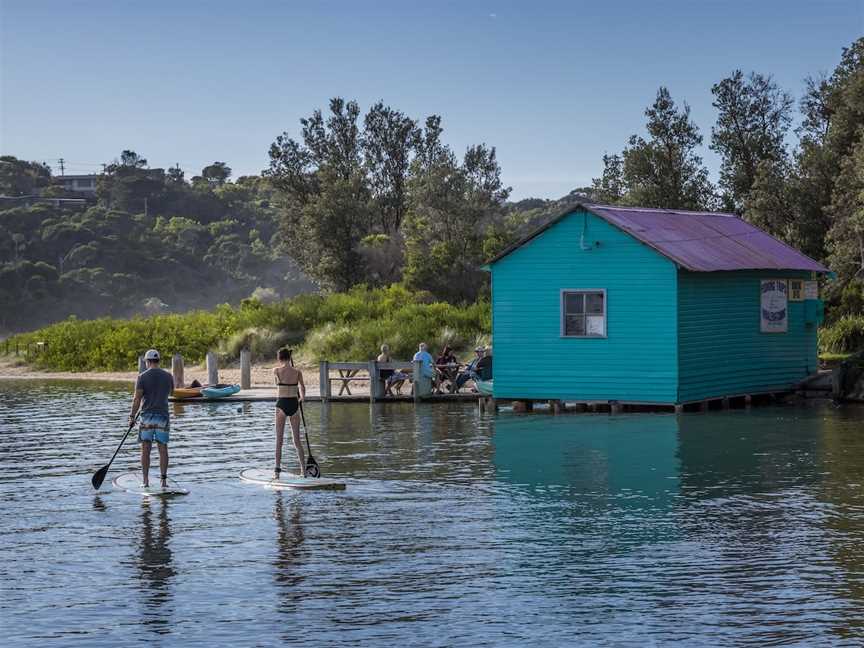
(152, 354)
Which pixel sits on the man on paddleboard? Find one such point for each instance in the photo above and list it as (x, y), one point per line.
(153, 388)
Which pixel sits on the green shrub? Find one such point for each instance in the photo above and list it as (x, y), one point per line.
(262, 342)
(347, 326)
(846, 335)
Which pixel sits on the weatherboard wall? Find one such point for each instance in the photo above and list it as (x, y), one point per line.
(721, 349)
(637, 360)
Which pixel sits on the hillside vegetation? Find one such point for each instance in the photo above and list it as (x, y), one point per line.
(342, 326)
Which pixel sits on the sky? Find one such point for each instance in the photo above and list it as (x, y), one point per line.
(552, 85)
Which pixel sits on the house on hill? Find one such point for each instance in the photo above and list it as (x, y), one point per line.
(651, 306)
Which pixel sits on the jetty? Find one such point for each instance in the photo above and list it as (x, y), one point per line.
(337, 381)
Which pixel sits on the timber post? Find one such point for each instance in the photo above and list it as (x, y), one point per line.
(374, 381)
(324, 380)
(177, 370)
(142, 365)
(245, 369)
(212, 368)
(422, 384)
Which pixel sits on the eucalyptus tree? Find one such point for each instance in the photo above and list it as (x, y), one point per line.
(754, 116)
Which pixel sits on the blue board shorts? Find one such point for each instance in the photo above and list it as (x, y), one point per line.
(154, 426)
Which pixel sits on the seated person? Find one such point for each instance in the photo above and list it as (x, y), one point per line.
(484, 366)
(385, 374)
(446, 367)
(470, 372)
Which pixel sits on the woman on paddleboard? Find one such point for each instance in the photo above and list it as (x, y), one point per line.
(292, 391)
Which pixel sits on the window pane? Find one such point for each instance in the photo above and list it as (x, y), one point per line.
(574, 325)
(595, 303)
(574, 303)
(596, 326)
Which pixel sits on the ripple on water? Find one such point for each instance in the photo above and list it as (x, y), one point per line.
(456, 529)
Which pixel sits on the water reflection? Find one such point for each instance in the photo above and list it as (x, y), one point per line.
(287, 565)
(625, 528)
(610, 461)
(155, 564)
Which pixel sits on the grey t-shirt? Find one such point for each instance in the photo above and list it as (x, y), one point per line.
(157, 385)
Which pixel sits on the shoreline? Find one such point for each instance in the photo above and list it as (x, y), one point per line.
(262, 374)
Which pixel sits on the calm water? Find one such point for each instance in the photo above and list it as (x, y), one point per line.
(717, 529)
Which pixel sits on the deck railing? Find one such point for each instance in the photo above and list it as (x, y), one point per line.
(370, 372)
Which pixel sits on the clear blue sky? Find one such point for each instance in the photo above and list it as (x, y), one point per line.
(552, 85)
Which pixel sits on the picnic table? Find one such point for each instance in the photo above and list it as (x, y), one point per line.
(345, 377)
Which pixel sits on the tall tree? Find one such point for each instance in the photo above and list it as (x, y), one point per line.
(326, 198)
(216, 174)
(454, 209)
(664, 170)
(754, 115)
(389, 140)
(20, 178)
(609, 188)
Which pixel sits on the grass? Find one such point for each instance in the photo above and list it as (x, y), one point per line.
(342, 326)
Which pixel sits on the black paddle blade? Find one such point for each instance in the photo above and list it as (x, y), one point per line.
(99, 476)
(312, 469)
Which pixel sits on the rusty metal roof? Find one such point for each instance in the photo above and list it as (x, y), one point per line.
(697, 241)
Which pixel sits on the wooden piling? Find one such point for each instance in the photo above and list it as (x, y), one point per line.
(142, 365)
(748, 401)
(324, 379)
(375, 387)
(245, 369)
(177, 370)
(556, 406)
(679, 409)
(724, 402)
(615, 407)
(212, 369)
(422, 384)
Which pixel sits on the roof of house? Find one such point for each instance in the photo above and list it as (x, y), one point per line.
(697, 241)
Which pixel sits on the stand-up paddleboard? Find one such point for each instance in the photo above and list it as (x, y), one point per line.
(287, 480)
(131, 483)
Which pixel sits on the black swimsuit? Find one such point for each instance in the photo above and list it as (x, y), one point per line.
(288, 405)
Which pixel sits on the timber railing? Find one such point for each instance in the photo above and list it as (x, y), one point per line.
(369, 372)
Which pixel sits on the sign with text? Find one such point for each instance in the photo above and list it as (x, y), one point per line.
(774, 306)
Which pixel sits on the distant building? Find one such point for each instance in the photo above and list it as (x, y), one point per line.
(651, 306)
(84, 184)
(8, 202)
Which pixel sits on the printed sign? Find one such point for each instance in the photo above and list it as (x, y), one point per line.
(774, 306)
(811, 290)
(597, 325)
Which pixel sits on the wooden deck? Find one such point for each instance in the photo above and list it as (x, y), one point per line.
(268, 394)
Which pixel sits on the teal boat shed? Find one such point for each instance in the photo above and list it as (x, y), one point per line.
(651, 306)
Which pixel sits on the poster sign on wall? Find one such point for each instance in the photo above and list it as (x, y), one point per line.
(811, 290)
(774, 306)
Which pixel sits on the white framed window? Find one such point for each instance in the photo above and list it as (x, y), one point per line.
(583, 313)
(796, 290)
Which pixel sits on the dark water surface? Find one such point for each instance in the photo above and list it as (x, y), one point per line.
(727, 528)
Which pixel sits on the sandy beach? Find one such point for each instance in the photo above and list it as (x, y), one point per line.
(262, 374)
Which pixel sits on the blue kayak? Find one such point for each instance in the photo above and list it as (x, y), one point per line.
(219, 391)
(484, 387)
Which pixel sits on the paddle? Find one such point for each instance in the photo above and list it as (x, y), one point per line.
(312, 469)
(99, 475)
